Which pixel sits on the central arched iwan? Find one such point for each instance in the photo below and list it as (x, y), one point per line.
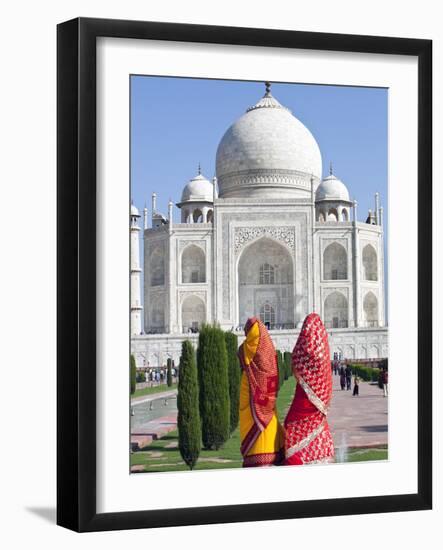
(266, 283)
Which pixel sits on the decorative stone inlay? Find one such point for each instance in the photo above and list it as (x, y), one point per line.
(342, 241)
(266, 177)
(344, 291)
(243, 235)
(198, 293)
(183, 244)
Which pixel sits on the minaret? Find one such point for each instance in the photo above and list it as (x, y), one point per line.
(170, 206)
(145, 217)
(136, 307)
(214, 189)
(377, 209)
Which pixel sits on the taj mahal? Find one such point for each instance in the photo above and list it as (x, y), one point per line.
(268, 236)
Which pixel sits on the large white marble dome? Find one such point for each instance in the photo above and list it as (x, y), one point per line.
(269, 153)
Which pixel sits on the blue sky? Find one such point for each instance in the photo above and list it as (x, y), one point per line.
(178, 122)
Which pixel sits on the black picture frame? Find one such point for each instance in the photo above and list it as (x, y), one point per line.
(76, 281)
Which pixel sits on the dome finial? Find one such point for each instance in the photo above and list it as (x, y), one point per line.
(199, 169)
(268, 89)
(330, 168)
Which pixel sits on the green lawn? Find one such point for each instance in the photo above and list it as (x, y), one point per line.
(154, 389)
(359, 455)
(163, 455)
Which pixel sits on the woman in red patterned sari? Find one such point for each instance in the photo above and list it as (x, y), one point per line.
(308, 439)
(262, 439)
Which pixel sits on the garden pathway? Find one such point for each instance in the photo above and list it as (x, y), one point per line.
(360, 421)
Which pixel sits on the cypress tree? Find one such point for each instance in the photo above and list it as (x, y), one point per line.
(281, 369)
(133, 374)
(287, 358)
(234, 374)
(188, 418)
(169, 372)
(213, 387)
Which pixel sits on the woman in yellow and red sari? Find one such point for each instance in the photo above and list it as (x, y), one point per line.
(262, 438)
(308, 439)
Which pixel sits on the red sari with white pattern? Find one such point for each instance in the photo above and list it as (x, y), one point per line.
(308, 439)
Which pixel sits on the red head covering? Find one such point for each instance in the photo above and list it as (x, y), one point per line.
(311, 362)
(308, 438)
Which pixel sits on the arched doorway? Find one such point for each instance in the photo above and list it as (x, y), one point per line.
(193, 313)
(266, 284)
(267, 315)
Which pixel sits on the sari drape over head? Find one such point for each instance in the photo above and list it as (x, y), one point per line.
(308, 438)
(262, 439)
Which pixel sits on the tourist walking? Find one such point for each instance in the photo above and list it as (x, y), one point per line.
(356, 385)
(348, 373)
(384, 379)
(307, 435)
(261, 435)
(342, 377)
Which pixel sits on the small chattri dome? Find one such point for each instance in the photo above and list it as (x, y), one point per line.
(199, 189)
(134, 211)
(332, 189)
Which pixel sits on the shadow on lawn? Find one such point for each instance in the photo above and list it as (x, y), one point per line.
(162, 448)
(379, 428)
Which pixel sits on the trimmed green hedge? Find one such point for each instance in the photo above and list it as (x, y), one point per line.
(169, 373)
(281, 369)
(368, 374)
(234, 375)
(287, 358)
(133, 374)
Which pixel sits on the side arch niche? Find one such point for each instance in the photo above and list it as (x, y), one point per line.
(369, 258)
(193, 313)
(370, 310)
(335, 262)
(193, 265)
(157, 266)
(336, 310)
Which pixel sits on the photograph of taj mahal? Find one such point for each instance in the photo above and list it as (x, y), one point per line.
(265, 225)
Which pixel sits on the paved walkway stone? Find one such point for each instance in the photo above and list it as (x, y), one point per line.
(155, 429)
(360, 421)
(153, 396)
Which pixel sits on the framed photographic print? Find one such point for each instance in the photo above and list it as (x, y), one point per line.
(244, 274)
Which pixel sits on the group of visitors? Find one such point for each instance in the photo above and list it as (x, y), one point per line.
(156, 377)
(305, 436)
(345, 374)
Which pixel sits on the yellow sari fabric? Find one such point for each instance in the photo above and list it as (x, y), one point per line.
(270, 442)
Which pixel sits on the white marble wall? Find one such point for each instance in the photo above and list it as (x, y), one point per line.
(359, 343)
(173, 301)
